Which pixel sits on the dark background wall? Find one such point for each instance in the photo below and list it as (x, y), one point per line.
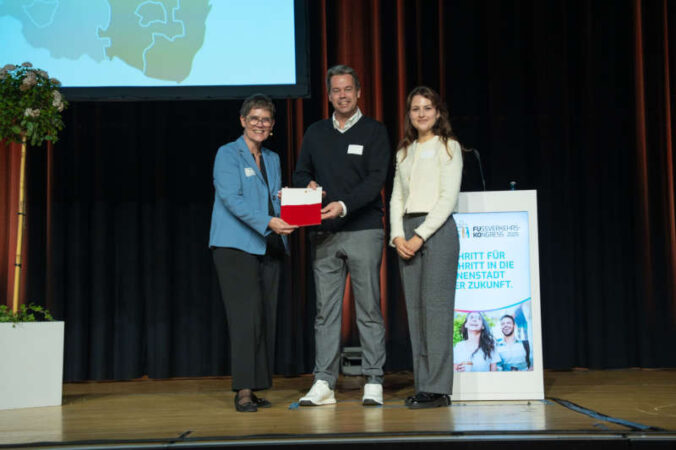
(569, 97)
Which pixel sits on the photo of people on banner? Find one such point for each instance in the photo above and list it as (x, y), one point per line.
(492, 325)
(492, 340)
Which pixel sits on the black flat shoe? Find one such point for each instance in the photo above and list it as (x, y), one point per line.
(418, 396)
(428, 400)
(244, 407)
(260, 402)
(410, 399)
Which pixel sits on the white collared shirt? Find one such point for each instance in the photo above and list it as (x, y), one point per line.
(427, 180)
(348, 123)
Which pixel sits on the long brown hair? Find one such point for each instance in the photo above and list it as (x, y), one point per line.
(441, 128)
(486, 339)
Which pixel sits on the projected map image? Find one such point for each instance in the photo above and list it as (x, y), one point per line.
(150, 42)
(160, 38)
(68, 35)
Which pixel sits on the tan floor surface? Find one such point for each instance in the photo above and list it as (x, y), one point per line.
(203, 408)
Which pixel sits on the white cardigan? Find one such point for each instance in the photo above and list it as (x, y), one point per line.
(426, 181)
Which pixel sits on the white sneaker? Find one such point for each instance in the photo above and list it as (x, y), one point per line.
(319, 394)
(373, 394)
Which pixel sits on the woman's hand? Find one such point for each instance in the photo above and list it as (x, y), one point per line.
(281, 227)
(415, 243)
(465, 366)
(402, 248)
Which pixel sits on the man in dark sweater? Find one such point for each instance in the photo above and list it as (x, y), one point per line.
(347, 155)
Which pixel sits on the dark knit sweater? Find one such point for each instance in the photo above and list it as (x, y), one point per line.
(354, 179)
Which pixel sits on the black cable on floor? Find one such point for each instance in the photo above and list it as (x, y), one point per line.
(597, 415)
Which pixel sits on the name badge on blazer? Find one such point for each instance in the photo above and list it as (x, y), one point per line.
(249, 172)
(354, 149)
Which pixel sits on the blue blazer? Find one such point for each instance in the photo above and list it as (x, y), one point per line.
(240, 215)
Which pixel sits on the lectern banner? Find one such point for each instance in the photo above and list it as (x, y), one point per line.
(493, 320)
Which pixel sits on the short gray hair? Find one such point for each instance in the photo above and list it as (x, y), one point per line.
(342, 69)
(257, 101)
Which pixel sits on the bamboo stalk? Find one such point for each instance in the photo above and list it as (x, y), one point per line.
(19, 232)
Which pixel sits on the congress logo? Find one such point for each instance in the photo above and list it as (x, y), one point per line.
(463, 230)
(496, 231)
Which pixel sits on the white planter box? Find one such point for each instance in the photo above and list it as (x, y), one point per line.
(31, 364)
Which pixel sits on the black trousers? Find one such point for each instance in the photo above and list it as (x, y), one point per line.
(249, 289)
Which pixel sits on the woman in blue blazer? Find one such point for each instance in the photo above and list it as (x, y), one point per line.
(248, 242)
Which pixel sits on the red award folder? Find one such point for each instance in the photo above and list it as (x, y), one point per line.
(302, 206)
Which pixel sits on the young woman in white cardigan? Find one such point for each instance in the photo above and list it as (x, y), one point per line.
(424, 194)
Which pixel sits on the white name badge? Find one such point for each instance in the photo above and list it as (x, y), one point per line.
(249, 172)
(354, 149)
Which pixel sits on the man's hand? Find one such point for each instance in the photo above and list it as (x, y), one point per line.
(313, 185)
(332, 210)
(281, 227)
(402, 248)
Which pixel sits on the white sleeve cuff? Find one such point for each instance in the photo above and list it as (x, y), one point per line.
(393, 237)
(344, 213)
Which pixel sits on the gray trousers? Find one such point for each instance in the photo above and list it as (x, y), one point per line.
(333, 256)
(429, 280)
(249, 285)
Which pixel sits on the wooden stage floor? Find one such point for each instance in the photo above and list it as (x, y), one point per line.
(635, 404)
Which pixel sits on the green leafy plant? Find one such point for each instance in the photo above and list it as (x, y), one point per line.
(25, 313)
(30, 104)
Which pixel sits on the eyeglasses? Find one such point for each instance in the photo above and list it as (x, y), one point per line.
(255, 120)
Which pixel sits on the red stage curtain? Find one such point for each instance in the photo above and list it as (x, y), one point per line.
(10, 164)
(654, 52)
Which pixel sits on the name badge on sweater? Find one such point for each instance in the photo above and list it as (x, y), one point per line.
(249, 172)
(354, 149)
